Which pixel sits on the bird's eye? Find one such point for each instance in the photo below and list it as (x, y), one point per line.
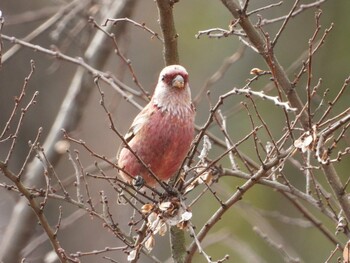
(163, 78)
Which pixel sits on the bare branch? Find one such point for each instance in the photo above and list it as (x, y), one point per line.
(274, 41)
(334, 101)
(259, 42)
(124, 59)
(286, 257)
(301, 9)
(68, 117)
(41, 29)
(261, 94)
(167, 25)
(15, 135)
(219, 74)
(219, 33)
(38, 212)
(128, 20)
(232, 200)
(267, 7)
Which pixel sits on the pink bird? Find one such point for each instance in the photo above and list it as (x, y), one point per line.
(161, 134)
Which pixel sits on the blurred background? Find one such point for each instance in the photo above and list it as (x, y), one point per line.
(234, 234)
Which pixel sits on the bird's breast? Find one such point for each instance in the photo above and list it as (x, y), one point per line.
(162, 143)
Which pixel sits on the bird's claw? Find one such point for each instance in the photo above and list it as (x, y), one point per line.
(138, 182)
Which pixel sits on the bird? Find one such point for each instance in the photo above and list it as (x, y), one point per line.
(161, 134)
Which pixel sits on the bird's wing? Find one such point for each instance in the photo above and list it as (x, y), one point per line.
(139, 122)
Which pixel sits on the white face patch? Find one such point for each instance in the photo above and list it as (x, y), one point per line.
(177, 101)
(170, 69)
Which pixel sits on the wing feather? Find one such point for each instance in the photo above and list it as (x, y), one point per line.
(138, 123)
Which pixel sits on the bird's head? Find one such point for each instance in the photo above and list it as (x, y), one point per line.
(172, 89)
(174, 76)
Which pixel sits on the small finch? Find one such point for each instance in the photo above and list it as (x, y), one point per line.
(161, 134)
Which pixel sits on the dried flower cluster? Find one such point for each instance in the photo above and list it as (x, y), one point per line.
(159, 218)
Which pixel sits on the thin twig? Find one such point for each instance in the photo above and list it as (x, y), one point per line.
(38, 212)
(301, 9)
(128, 20)
(68, 118)
(309, 216)
(219, 74)
(220, 32)
(40, 30)
(334, 101)
(18, 99)
(274, 41)
(267, 7)
(126, 61)
(241, 190)
(228, 141)
(19, 125)
(286, 257)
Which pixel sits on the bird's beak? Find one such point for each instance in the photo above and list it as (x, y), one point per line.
(178, 82)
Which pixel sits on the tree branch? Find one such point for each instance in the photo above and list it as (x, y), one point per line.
(260, 43)
(167, 25)
(18, 232)
(37, 210)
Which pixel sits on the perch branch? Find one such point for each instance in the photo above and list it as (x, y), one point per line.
(167, 25)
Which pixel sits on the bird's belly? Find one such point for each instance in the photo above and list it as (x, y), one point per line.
(166, 140)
